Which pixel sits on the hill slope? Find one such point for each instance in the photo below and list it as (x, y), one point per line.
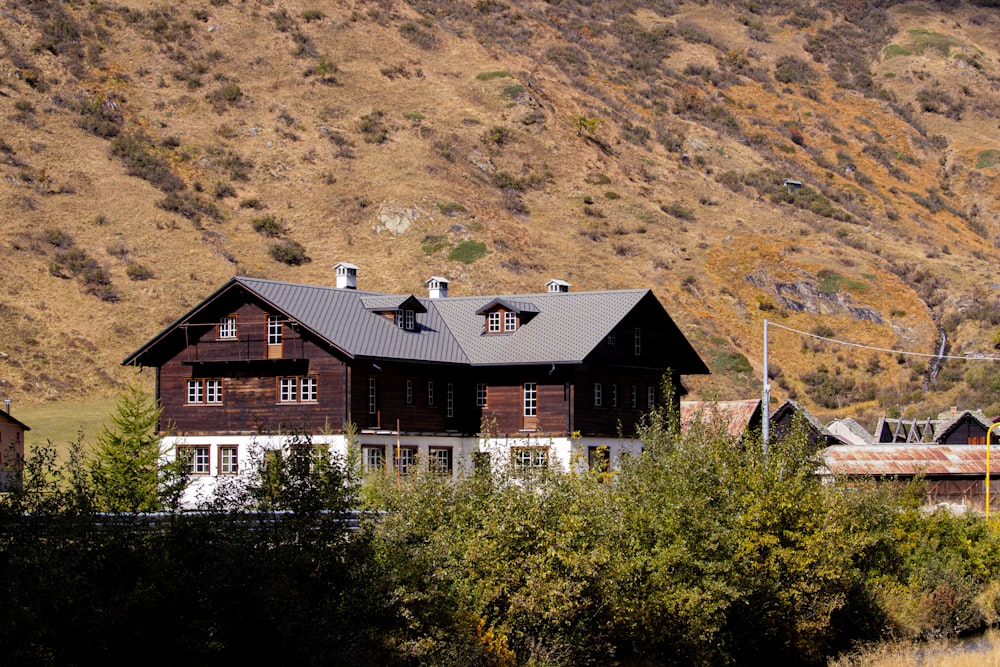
(150, 153)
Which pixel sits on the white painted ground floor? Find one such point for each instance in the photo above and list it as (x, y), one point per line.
(221, 459)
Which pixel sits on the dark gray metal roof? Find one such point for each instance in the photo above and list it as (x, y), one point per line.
(556, 328)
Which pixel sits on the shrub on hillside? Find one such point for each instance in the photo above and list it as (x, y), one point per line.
(137, 153)
(288, 251)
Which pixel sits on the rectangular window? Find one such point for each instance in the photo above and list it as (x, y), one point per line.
(611, 338)
(274, 330)
(372, 396)
(638, 341)
(635, 396)
(598, 395)
(650, 397)
(195, 391)
(494, 320)
(530, 399)
(450, 399)
(409, 392)
(197, 457)
(228, 462)
(288, 390)
(439, 460)
(481, 395)
(308, 389)
(430, 393)
(227, 327)
(410, 324)
(510, 321)
(213, 391)
(614, 396)
(373, 457)
(529, 458)
(404, 319)
(399, 318)
(404, 459)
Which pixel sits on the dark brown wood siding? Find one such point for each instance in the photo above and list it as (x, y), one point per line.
(604, 420)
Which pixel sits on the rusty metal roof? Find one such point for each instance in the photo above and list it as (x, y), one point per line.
(905, 460)
(736, 416)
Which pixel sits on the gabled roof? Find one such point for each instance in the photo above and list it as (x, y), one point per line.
(736, 416)
(849, 432)
(512, 306)
(393, 302)
(14, 420)
(927, 431)
(904, 460)
(565, 328)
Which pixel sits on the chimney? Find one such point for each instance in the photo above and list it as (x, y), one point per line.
(6, 405)
(556, 285)
(437, 287)
(347, 276)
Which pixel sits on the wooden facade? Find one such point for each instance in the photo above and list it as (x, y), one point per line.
(239, 364)
(11, 451)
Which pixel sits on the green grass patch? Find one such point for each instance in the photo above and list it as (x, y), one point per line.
(730, 360)
(987, 159)
(451, 208)
(414, 115)
(489, 76)
(432, 243)
(513, 90)
(468, 251)
(60, 423)
(894, 50)
(922, 39)
(831, 283)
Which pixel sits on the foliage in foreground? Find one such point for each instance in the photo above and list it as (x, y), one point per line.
(699, 551)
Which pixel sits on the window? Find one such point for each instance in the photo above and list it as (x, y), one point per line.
(197, 458)
(450, 399)
(614, 396)
(611, 338)
(529, 458)
(373, 457)
(274, 330)
(227, 327)
(372, 396)
(635, 396)
(228, 462)
(404, 319)
(650, 397)
(409, 392)
(195, 393)
(288, 390)
(494, 322)
(404, 459)
(481, 395)
(638, 341)
(510, 321)
(530, 399)
(213, 391)
(298, 389)
(598, 395)
(430, 393)
(439, 460)
(204, 391)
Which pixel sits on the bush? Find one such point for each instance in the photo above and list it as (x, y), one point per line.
(468, 251)
(136, 153)
(288, 252)
(373, 128)
(268, 225)
(137, 271)
(678, 210)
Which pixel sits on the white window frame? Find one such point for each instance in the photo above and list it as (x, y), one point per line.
(598, 395)
(430, 392)
(529, 458)
(409, 392)
(530, 402)
(275, 330)
(213, 391)
(404, 459)
(373, 457)
(651, 396)
(195, 392)
(410, 321)
(228, 328)
(638, 341)
(229, 463)
(308, 389)
(450, 400)
(509, 321)
(482, 395)
(439, 460)
(493, 322)
(288, 389)
(199, 458)
(372, 396)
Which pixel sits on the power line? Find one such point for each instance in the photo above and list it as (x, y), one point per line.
(882, 349)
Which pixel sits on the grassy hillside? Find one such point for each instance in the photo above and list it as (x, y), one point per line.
(149, 153)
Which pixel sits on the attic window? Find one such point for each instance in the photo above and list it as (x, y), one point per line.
(501, 321)
(405, 319)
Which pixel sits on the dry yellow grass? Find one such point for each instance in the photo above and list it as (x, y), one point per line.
(974, 652)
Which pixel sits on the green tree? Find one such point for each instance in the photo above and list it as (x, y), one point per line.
(126, 471)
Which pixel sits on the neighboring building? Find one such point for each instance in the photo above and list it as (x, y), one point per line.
(737, 418)
(11, 449)
(849, 432)
(790, 415)
(949, 453)
(533, 379)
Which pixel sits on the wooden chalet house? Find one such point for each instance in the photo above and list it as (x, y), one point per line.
(533, 379)
(11, 449)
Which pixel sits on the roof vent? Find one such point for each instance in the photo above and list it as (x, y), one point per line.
(347, 276)
(556, 285)
(437, 287)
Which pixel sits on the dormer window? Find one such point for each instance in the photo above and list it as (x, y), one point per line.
(500, 321)
(405, 319)
(510, 321)
(505, 316)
